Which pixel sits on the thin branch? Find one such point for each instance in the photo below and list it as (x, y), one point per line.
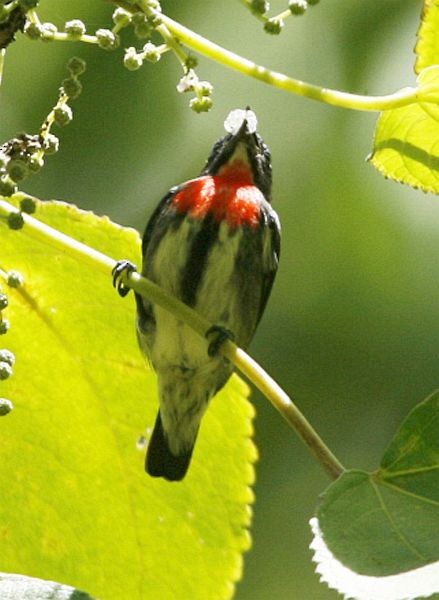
(153, 292)
(342, 99)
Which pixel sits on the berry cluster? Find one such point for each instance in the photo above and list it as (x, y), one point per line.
(145, 23)
(7, 358)
(24, 154)
(274, 25)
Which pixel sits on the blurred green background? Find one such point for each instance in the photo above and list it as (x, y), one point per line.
(351, 330)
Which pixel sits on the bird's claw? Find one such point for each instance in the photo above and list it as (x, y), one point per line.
(220, 335)
(122, 266)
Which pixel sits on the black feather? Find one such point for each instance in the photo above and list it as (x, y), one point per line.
(195, 266)
(269, 218)
(160, 462)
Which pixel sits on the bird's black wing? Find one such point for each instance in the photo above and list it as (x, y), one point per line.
(270, 220)
(145, 312)
(159, 210)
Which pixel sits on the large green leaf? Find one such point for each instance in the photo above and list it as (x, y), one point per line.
(387, 522)
(76, 505)
(406, 139)
(427, 47)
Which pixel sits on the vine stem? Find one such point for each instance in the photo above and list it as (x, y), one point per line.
(168, 38)
(103, 263)
(175, 33)
(204, 46)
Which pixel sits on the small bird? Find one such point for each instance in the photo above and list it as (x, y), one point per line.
(214, 243)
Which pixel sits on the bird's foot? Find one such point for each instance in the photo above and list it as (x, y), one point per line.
(220, 335)
(122, 266)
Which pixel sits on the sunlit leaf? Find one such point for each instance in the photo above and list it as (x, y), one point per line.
(427, 47)
(406, 144)
(76, 505)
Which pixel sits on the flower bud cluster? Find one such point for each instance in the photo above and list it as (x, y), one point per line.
(24, 154)
(18, 158)
(274, 25)
(202, 102)
(7, 358)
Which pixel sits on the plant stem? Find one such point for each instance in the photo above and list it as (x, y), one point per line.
(168, 38)
(98, 261)
(342, 99)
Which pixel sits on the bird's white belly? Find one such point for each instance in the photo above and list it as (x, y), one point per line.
(176, 343)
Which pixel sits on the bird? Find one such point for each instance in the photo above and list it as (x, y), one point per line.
(213, 242)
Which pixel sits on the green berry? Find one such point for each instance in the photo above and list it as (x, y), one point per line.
(15, 278)
(121, 17)
(138, 18)
(3, 301)
(142, 30)
(4, 326)
(205, 88)
(297, 7)
(75, 29)
(273, 26)
(48, 32)
(5, 370)
(150, 52)
(191, 62)
(107, 39)
(7, 356)
(155, 20)
(17, 169)
(28, 206)
(259, 7)
(33, 30)
(15, 220)
(72, 87)
(35, 162)
(63, 115)
(7, 187)
(132, 60)
(50, 143)
(187, 83)
(76, 65)
(200, 105)
(5, 407)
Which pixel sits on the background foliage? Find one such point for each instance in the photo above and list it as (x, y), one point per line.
(352, 326)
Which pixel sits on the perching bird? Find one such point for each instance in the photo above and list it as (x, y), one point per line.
(213, 242)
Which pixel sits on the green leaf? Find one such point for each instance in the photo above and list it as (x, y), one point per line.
(18, 587)
(76, 504)
(411, 462)
(387, 522)
(427, 47)
(406, 139)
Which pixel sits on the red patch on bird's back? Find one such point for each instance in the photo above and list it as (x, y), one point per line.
(230, 196)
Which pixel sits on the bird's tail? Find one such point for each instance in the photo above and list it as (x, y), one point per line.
(160, 461)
